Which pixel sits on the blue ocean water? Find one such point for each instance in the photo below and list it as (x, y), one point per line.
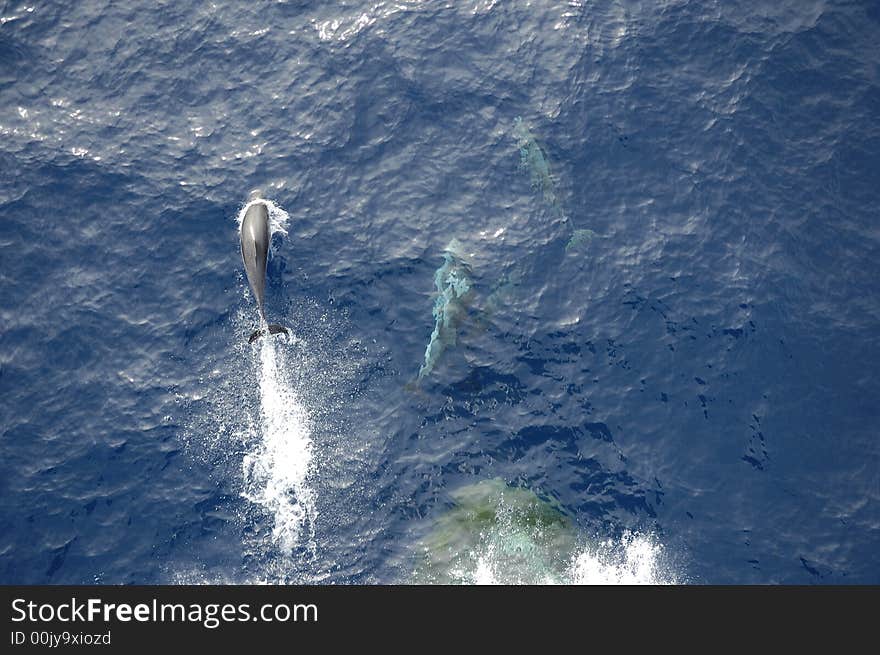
(691, 384)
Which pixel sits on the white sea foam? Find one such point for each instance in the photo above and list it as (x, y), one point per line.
(633, 559)
(277, 469)
(264, 420)
(502, 535)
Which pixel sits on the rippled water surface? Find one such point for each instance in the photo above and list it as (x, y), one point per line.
(577, 292)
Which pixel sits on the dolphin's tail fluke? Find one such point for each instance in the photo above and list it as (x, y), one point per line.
(274, 328)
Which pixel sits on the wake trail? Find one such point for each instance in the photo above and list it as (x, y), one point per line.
(278, 468)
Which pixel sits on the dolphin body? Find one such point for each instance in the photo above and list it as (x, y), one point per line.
(454, 288)
(255, 235)
(533, 159)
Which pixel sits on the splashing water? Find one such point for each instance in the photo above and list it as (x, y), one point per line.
(266, 421)
(634, 559)
(277, 470)
(497, 534)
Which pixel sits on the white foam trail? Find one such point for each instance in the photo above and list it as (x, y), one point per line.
(277, 470)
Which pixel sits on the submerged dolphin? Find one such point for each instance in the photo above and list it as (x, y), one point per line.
(453, 285)
(533, 159)
(578, 237)
(255, 236)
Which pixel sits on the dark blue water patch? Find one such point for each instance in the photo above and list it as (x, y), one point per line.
(701, 369)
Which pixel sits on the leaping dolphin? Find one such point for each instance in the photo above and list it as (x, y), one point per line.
(255, 236)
